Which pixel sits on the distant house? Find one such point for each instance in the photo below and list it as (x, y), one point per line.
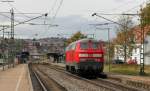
(136, 51)
(118, 52)
(135, 55)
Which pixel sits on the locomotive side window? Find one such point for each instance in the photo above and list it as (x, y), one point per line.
(67, 48)
(73, 47)
(84, 45)
(95, 45)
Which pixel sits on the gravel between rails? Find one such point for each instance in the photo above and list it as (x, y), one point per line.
(124, 87)
(119, 82)
(72, 83)
(49, 83)
(111, 83)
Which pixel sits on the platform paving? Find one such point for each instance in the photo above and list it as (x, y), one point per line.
(15, 79)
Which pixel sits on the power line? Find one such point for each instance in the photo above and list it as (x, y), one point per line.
(1, 13)
(28, 20)
(116, 14)
(22, 13)
(120, 6)
(7, 1)
(8, 17)
(61, 2)
(95, 14)
(17, 10)
(54, 4)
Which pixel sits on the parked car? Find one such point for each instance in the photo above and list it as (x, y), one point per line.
(131, 61)
(118, 61)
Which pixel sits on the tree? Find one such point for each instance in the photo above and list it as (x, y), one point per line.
(78, 35)
(145, 15)
(125, 37)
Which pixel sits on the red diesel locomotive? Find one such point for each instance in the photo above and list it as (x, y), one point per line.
(85, 56)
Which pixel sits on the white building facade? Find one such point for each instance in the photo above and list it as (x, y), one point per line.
(147, 50)
(136, 52)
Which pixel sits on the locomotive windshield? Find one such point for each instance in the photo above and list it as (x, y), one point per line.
(95, 45)
(84, 45)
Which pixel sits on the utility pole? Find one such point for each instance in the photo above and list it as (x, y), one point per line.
(12, 23)
(142, 46)
(109, 47)
(12, 38)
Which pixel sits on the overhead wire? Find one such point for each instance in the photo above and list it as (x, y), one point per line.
(8, 17)
(124, 11)
(53, 6)
(120, 6)
(27, 20)
(17, 10)
(61, 2)
(49, 13)
(54, 16)
(140, 5)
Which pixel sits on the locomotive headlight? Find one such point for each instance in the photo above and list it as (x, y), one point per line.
(97, 55)
(83, 55)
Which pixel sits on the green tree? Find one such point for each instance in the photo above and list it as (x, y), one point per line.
(145, 15)
(78, 35)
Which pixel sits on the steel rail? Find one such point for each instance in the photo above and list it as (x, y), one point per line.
(105, 83)
(40, 82)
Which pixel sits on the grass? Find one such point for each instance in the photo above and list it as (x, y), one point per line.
(126, 69)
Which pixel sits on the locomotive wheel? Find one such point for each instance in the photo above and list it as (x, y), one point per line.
(73, 71)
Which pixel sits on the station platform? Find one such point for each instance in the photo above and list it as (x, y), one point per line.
(16, 79)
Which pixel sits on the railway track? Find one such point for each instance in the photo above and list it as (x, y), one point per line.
(130, 83)
(45, 82)
(103, 83)
(36, 82)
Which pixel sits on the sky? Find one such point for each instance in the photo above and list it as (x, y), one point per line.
(70, 16)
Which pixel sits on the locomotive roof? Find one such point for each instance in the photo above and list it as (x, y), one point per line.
(85, 40)
(82, 40)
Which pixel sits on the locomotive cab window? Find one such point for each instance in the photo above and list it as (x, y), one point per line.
(84, 45)
(73, 47)
(95, 45)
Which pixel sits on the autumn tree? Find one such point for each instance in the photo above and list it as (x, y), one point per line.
(125, 37)
(78, 35)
